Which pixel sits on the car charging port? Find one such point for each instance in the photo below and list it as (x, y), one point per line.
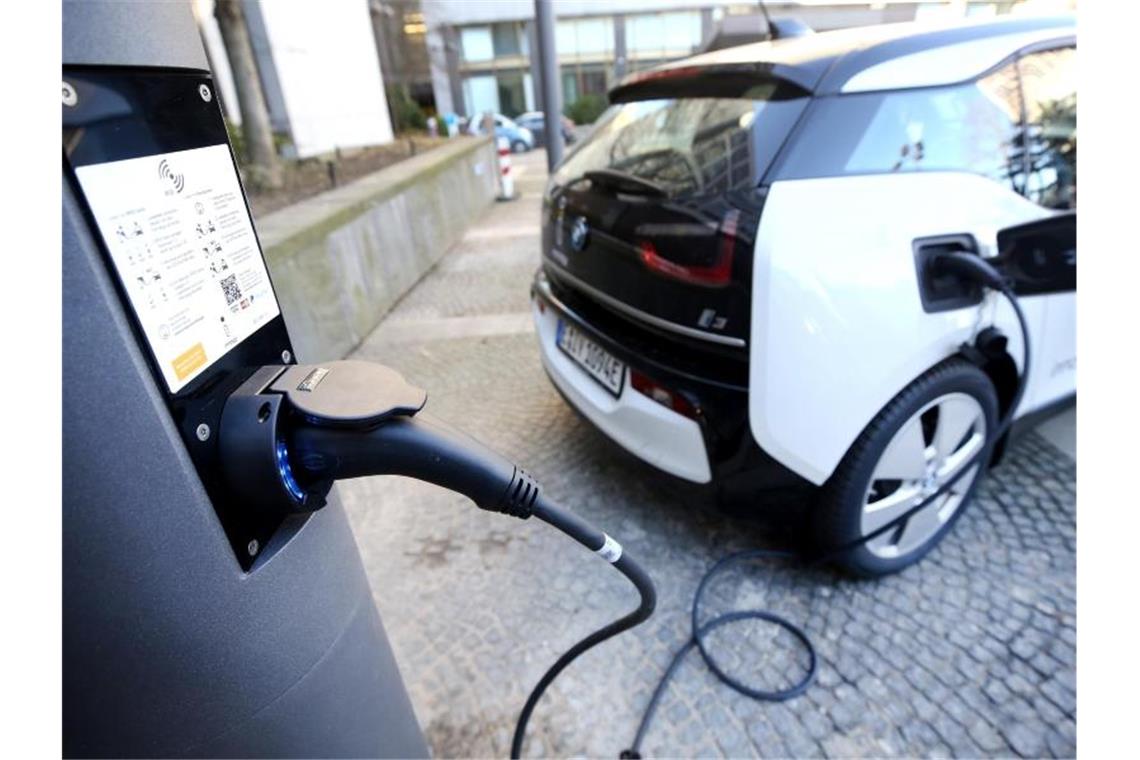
(939, 288)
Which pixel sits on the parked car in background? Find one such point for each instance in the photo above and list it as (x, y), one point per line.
(535, 121)
(520, 138)
(731, 284)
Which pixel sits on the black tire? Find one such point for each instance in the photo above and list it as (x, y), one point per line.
(838, 515)
(518, 146)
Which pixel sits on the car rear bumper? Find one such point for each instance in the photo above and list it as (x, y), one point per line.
(657, 435)
(717, 447)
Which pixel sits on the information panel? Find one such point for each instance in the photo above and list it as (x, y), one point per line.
(180, 236)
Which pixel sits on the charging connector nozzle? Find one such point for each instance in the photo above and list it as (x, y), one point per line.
(290, 432)
(969, 266)
(422, 447)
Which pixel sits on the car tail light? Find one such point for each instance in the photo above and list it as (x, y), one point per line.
(670, 399)
(720, 273)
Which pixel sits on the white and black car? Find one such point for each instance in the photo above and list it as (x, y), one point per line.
(732, 282)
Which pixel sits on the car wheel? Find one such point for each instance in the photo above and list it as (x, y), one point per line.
(518, 146)
(926, 435)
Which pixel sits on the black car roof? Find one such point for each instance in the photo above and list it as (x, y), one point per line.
(822, 63)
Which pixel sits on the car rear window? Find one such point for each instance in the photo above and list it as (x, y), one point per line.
(688, 146)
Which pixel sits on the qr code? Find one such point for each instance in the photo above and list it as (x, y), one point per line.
(231, 289)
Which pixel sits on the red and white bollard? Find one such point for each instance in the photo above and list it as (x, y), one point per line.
(506, 179)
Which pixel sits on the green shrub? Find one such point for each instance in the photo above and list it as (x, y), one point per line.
(407, 113)
(586, 109)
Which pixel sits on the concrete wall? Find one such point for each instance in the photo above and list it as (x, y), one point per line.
(340, 260)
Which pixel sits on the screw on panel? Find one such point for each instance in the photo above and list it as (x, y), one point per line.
(203, 432)
(70, 98)
(286, 357)
(204, 91)
(252, 547)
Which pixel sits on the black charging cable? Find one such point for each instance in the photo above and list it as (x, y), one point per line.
(588, 536)
(965, 265)
(288, 432)
(428, 449)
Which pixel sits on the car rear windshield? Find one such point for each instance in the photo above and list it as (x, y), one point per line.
(688, 146)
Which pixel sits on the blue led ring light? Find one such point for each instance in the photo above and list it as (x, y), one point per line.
(286, 471)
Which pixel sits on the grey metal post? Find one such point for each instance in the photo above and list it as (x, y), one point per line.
(169, 648)
(620, 53)
(551, 81)
(535, 70)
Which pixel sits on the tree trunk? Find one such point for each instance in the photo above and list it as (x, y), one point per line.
(264, 166)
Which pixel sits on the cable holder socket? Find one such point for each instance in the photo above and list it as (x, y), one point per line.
(260, 416)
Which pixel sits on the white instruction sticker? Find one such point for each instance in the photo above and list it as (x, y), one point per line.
(610, 551)
(182, 241)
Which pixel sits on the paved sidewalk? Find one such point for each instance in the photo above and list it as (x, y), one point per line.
(970, 653)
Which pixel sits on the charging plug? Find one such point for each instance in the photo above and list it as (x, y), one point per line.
(289, 432)
(422, 447)
(970, 267)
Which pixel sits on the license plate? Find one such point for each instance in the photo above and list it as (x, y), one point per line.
(598, 363)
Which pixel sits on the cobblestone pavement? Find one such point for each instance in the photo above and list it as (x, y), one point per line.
(969, 653)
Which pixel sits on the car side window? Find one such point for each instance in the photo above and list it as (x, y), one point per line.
(1049, 83)
(974, 127)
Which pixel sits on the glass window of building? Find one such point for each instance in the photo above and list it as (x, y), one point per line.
(681, 31)
(584, 37)
(506, 39)
(512, 93)
(481, 94)
(477, 44)
(569, 85)
(583, 79)
(663, 34)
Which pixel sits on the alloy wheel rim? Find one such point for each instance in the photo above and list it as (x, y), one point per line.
(926, 452)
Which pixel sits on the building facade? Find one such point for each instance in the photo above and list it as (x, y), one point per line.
(318, 68)
(400, 32)
(480, 52)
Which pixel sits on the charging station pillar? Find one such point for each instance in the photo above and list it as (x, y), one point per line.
(171, 647)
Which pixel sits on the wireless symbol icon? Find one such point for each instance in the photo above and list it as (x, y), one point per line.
(166, 173)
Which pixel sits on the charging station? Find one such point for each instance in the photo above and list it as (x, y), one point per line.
(215, 603)
(196, 623)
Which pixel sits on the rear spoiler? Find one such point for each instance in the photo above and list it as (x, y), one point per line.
(786, 28)
(732, 80)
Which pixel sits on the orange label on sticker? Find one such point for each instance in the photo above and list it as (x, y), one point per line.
(188, 361)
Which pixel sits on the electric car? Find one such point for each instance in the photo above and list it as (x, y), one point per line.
(732, 283)
(520, 138)
(535, 121)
